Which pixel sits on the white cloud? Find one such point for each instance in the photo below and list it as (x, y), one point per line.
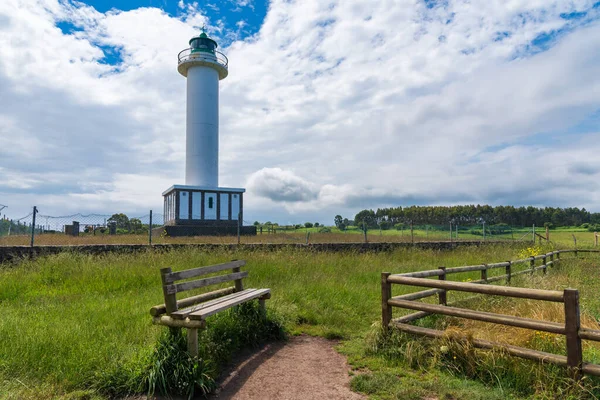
(279, 185)
(329, 108)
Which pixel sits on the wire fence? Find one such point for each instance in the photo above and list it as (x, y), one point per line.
(40, 229)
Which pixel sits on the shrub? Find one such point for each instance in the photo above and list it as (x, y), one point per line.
(385, 225)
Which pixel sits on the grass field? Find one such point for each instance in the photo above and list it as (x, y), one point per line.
(562, 237)
(72, 323)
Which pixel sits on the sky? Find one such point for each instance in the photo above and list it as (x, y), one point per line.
(330, 107)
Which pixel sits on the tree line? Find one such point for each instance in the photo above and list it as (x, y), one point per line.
(477, 214)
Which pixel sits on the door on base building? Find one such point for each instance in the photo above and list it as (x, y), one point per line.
(224, 206)
(210, 206)
(235, 206)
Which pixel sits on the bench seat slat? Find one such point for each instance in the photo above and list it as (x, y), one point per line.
(190, 301)
(208, 311)
(184, 312)
(191, 273)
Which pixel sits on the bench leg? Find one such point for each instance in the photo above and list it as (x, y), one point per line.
(192, 342)
(262, 307)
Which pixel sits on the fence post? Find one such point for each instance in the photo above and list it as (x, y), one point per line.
(365, 231)
(386, 309)
(558, 256)
(545, 266)
(238, 227)
(547, 233)
(484, 273)
(33, 225)
(412, 233)
(572, 325)
(444, 293)
(483, 223)
(150, 230)
(508, 272)
(533, 234)
(532, 264)
(596, 239)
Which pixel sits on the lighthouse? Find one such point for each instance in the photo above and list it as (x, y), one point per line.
(201, 207)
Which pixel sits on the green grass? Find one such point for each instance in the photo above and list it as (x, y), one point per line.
(78, 325)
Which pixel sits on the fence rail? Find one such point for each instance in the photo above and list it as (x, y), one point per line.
(571, 328)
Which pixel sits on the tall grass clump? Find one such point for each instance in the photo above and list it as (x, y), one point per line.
(455, 355)
(169, 369)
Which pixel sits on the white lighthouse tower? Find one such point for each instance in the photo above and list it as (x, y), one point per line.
(201, 207)
(203, 67)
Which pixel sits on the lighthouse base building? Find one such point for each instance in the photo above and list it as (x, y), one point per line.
(202, 211)
(201, 207)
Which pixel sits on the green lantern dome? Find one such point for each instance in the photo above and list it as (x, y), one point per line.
(202, 43)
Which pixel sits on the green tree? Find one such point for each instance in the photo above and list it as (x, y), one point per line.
(121, 220)
(367, 217)
(337, 220)
(308, 224)
(385, 225)
(135, 225)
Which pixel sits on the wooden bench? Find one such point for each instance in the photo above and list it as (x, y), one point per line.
(191, 312)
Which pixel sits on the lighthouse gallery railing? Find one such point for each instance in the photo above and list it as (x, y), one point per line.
(187, 55)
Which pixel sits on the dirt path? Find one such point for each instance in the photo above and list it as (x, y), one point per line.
(303, 368)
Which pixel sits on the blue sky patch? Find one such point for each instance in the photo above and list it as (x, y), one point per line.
(112, 55)
(500, 36)
(435, 3)
(67, 27)
(573, 15)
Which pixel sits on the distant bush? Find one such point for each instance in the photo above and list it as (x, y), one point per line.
(324, 230)
(385, 225)
(308, 224)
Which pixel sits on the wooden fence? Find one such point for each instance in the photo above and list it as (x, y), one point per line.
(571, 328)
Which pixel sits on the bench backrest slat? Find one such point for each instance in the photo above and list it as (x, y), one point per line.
(180, 287)
(191, 273)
